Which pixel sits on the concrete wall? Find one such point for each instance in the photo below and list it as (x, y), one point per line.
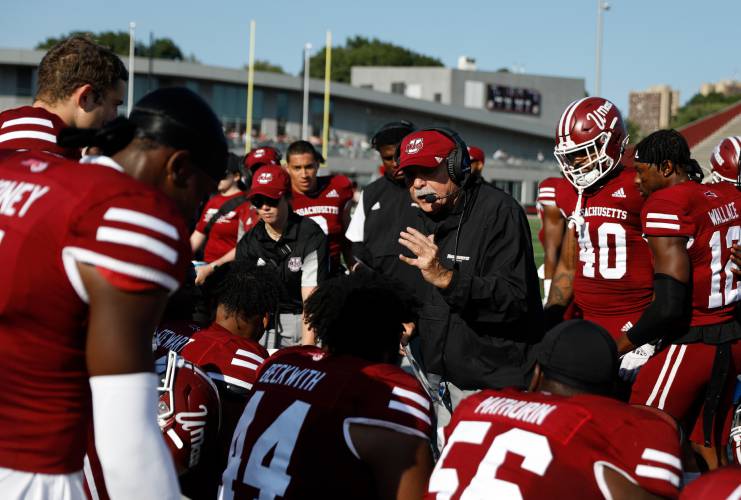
(432, 80)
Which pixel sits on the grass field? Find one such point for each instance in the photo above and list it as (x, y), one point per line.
(537, 248)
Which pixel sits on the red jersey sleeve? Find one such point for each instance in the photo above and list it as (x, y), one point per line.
(665, 214)
(647, 448)
(136, 236)
(390, 398)
(547, 192)
(234, 363)
(344, 189)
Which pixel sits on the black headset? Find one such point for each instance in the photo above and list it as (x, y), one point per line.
(458, 160)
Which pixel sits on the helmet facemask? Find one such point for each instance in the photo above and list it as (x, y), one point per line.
(596, 165)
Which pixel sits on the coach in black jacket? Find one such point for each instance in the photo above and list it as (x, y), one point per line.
(472, 244)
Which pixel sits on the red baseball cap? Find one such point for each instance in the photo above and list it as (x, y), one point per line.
(476, 154)
(262, 156)
(425, 148)
(270, 181)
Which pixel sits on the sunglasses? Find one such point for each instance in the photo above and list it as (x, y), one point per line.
(259, 200)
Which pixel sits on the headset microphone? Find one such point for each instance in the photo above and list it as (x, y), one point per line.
(433, 197)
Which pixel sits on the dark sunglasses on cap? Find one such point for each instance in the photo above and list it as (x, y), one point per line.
(259, 200)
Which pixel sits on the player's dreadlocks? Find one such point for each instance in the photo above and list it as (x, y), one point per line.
(670, 145)
(249, 291)
(361, 315)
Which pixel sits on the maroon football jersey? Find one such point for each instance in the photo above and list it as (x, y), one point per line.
(325, 207)
(224, 232)
(707, 215)
(547, 198)
(54, 214)
(614, 271)
(295, 425)
(511, 444)
(33, 129)
(723, 483)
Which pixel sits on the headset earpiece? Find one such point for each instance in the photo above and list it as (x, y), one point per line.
(459, 162)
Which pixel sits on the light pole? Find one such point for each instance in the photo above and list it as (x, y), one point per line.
(305, 116)
(130, 95)
(602, 6)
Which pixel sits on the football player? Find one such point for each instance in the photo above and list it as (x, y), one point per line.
(80, 84)
(603, 255)
(368, 419)
(552, 226)
(721, 483)
(565, 438)
(724, 161)
(95, 250)
(690, 229)
(326, 200)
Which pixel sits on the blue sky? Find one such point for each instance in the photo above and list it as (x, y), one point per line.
(646, 42)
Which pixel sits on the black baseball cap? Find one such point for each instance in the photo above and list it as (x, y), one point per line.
(580, 354)
(392, 133)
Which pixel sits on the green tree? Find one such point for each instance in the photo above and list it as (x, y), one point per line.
(634, 132)
(118, 42)
(267, 66)
(700, 106)
(361, 51)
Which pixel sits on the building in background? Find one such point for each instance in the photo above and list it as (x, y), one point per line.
(538, 99)
(654, 108)
(518, 142)
(724, 87)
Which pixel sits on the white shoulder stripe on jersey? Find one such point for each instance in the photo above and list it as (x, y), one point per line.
(28, 134)
(411, 410)
(662, 457)
(244, 364)
(248, 354)
(659, 473)
(137, 240)
(548, 203)
(229, 380)
(72, 255)
(375, 423)
(407, 394)
(663, 225)
(656, 215)
(143, 220)
(599, 475)
(547, 189)
(28, 120)
(546, 195)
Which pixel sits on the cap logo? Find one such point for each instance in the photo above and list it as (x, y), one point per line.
(599, 116)
(259, 153)
(294, 264)
(265, 178)
(414, 146)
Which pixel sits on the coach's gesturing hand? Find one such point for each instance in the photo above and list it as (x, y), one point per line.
(427, 260)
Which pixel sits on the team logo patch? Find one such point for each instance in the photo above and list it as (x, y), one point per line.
(294, 264)
(414, 146)
(620, 193)
(710, 194)
(265, 178)
(333, 194)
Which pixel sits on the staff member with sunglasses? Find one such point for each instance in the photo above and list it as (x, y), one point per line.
(294, 245)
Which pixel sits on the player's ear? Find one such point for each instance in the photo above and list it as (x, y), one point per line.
(537, 378)
(178, 167)
(85, 97)
(667, 168)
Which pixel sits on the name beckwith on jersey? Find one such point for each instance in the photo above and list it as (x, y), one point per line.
(303, 403)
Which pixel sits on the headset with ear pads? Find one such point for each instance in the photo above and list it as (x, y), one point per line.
(459, 161)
